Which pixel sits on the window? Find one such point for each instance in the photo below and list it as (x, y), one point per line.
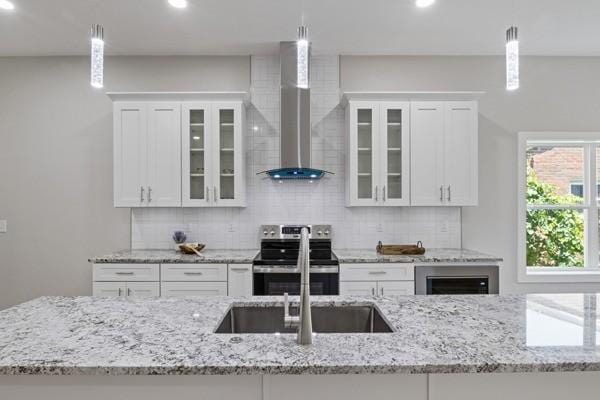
(558, 211)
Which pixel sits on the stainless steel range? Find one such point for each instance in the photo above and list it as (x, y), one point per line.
(275, 268)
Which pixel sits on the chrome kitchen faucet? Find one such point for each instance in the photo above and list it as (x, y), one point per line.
(303, 321)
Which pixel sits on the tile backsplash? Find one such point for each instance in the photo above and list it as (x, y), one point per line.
(322, 201)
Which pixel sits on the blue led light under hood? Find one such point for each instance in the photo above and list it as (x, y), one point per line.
(296, 173)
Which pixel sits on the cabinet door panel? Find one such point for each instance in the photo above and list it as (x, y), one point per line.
(227, 164)
(184, 289)
(394, 153)
(240, 280)
(395, 288)
(377, 272)
(109, 289)
(196, 155)
(164, 155)
(130, 154)
(460, 153)
(427, 144)
(358, 288)
(125, 272)
(143, 289)
(194, 272)
(364, 187)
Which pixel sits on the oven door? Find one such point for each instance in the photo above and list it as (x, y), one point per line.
(271, 281)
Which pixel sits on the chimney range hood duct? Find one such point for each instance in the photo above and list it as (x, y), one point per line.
(295, 150)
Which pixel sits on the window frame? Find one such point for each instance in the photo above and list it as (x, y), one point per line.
(590, 141)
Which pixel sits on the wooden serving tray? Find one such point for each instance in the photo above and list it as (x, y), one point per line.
(400, 249)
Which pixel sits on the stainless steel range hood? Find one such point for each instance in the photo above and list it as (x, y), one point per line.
(295, 150)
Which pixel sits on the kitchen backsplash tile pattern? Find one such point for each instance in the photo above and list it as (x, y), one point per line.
(322, 201)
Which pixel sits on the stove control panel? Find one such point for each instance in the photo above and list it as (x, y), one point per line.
(293, 231)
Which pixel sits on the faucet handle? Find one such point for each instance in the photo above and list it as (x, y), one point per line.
(288, 320)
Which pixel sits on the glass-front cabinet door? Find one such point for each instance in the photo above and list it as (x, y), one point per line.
(394, 155)
(363, 155)
(196, 160)
(227, 185)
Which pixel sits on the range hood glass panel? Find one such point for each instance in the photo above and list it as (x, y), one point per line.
(296, 173)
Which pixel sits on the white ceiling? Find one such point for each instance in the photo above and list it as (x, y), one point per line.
(152, 27)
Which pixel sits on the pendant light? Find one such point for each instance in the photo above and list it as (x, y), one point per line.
(303, 47)
(512, 58)
(97, 60)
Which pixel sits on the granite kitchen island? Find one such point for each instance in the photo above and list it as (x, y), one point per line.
(442, 347)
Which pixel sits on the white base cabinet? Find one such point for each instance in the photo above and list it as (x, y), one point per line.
(377, 279)
(172, 280)
(126, 289)
(184, 289)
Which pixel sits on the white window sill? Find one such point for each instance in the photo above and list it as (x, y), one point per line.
(558, 275)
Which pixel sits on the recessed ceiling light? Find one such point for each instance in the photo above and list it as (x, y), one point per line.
(6, 5)
(178, 3)
(424, 3)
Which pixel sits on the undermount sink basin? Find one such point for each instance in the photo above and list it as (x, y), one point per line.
(325, 319)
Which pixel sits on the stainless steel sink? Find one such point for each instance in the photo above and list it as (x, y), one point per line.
(325, 319)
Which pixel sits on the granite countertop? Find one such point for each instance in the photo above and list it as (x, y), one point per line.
(430, 256)
(434, 334)
(172, 256)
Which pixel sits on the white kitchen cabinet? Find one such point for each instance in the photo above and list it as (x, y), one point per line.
(377, 279)
(209, 272)
(184, 289)
(147, 154)
(377, 288)
(109, 289)
(125, 272)
(378, 153)
(358, 288)
(126, 289)
(444, 137)
(240, 280)
(213, 159)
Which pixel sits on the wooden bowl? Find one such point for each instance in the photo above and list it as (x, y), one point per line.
(188, 248)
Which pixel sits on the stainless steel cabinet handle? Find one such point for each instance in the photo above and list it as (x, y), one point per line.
(373, 291)
(377, 272)
(240, 269)
(207, 194)
(129, 292)
(149, 194)
(142, 194)
(124, 273)
(376, 193)
(449, 194)
(192, 273)
(120, 291)
(441, 194)
(384, 193)
(382, 291)
(215, 193)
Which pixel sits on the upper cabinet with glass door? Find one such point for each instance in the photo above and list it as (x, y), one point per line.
(179, 149)
(378, 153)
(212, 155)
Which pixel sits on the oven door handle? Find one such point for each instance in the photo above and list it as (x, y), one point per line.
(274, 269)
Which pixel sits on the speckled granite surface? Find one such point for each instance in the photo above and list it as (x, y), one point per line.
(431, 255)
(434, 334)
(172, 256)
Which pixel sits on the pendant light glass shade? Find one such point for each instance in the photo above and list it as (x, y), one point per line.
(302, 46)
(97, 60)
(512, 58)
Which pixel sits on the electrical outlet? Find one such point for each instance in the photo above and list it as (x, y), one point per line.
(444, 227)
(379, 228)
(3, 226)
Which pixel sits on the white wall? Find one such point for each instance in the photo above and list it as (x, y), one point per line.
(297, 202)
(56, 162)
(556, 94)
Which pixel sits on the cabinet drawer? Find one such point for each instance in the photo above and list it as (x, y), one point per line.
(377, 272)
(194, 272)
(183, 289)
(125, 272)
